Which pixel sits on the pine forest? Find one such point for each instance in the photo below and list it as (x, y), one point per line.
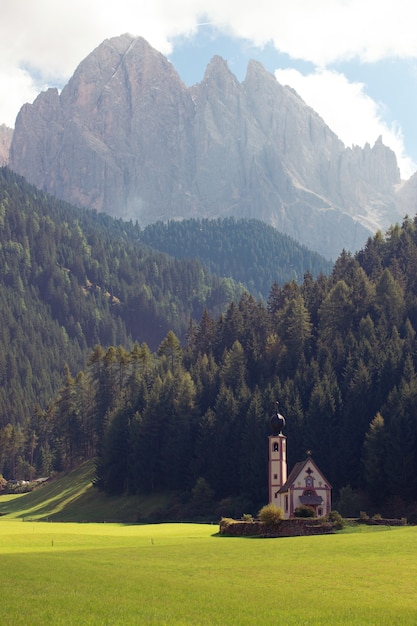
(167, 374)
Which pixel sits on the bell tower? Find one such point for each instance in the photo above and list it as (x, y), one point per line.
(277, 458)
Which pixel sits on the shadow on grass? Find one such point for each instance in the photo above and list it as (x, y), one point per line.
(222, 536)
(51, 497)
(72, 498)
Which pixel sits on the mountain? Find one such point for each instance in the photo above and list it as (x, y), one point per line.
(127, 137)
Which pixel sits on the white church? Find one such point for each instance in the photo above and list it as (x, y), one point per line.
(305, 485)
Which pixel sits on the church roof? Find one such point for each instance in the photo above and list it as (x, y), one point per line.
(296, 471)
(292, 476)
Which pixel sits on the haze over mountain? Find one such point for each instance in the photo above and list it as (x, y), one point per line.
(127, 137)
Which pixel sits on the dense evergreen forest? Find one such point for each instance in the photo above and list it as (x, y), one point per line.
(338, 352)
(340, 355)
(72, 278)
(247, 250)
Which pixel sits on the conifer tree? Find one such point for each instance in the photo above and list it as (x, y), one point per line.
(374, 461)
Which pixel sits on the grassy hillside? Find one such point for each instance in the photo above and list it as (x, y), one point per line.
(72, 497)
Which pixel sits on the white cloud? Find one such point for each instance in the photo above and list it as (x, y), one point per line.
(42, 42)
(347, 110)
(16, 87)
(54, 36)
(324, 31)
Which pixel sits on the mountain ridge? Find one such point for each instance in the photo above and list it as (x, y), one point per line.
(128, 137)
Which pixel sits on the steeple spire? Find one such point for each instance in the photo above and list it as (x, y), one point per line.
(277, 456)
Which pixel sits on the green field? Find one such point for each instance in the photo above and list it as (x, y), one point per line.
(101, 573)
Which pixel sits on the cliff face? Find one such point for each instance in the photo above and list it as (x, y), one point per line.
(126, 136)
(113, 140)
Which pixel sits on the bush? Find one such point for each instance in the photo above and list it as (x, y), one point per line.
(304, 511)
(336, 520)
(202, 502)
(247, 517)
(363, 517)
(232, 507)
(226, 521)
(271, 514)
(348, 503)
(3, 482)
(411, 513)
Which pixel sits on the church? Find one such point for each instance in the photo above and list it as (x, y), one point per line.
(305, 485)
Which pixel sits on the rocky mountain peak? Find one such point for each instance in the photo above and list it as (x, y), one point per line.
(255, 71)
(218, 67)
(118, 63)
(126, 136)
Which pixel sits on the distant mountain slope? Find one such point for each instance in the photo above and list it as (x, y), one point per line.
(249, 251)
(127, 137)
(71, 278)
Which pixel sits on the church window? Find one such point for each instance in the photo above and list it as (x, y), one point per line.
(309, 481)
(286, 503)
(275, 476)
(276, 446)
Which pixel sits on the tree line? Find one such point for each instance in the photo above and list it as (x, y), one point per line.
(168, 394)
(338, 352)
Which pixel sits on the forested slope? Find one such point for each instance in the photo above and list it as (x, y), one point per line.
(339, 353)
(247, 250)
(72, 278)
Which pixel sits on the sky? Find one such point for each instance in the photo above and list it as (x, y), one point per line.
(353, 61)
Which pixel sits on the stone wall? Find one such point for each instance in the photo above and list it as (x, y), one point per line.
(285, 528)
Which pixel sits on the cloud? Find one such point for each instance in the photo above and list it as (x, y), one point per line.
(16, 87)
(322, 32)
(42, 42)
(347, 110)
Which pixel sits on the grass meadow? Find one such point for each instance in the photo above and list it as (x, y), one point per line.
(74, 573)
